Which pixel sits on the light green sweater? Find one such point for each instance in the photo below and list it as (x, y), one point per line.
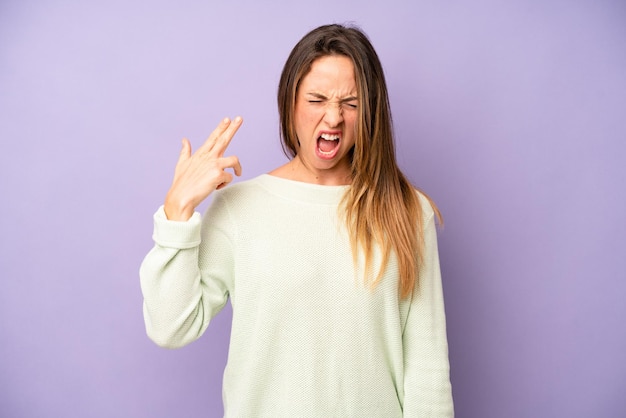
(309, 338)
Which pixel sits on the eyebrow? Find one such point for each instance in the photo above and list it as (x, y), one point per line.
(322, 97)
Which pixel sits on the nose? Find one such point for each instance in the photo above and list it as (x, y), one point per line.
(333, 115)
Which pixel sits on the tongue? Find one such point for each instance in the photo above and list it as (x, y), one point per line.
(326, 146)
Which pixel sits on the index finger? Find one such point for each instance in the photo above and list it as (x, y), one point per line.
(224, 139)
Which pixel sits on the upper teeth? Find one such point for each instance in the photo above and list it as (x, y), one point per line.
(329, 137)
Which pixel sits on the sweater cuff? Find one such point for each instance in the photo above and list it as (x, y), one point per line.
(176, 234)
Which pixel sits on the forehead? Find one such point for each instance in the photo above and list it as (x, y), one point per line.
(331, 73)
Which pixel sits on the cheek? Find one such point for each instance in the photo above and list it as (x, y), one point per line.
(300, 116)
(298, 122)
(306, 122)
(351, 128)
(350, 123)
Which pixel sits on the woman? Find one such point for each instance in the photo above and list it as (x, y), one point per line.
(330, 261)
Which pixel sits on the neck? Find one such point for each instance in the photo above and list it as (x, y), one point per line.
(297, 170)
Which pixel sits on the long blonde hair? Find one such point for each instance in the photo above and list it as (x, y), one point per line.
(381, 206)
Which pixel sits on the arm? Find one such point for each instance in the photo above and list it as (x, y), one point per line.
(427, 389)
(179, 299)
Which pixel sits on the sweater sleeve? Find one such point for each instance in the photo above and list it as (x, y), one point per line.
(181, 292)
(427, 388)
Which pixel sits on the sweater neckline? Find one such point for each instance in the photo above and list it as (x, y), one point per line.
(301, 191)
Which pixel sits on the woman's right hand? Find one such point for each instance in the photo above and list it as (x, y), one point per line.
(198, 174)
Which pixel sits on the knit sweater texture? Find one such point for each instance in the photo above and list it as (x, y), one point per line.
(309, 337)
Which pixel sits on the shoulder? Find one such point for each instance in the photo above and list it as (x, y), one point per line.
(247, 189)
(263, 191)
(237, 200)
(235, 203)
(427, 206)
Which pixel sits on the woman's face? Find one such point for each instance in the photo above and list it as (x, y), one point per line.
(325, 117)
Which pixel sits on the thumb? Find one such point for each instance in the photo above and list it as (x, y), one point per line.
(185, 151)
(185, 154)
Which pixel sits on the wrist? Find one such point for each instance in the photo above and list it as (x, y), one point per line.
(176, 210)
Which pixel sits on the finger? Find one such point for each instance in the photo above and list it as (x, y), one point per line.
(226, 179)
(185, 151)
(224, 139)
(231, 162)
(184, 155)
(214, 136)
(237, 168)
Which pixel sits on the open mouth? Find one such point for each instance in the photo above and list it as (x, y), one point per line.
(328, 145)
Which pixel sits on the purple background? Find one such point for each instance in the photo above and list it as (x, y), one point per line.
(510, 114)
